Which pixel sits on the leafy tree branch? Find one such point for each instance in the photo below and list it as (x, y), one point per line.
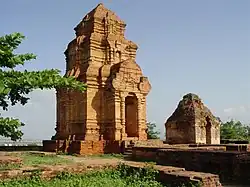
(16, 85)
(234, 130)
(152, 133)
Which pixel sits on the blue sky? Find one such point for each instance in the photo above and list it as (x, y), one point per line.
(184, 46)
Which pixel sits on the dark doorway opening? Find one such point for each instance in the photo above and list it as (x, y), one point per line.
(131, 115)
(208, 131)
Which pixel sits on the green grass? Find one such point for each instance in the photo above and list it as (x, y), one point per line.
(35, 159)
(30, 159)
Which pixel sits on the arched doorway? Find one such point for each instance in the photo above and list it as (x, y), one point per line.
(131, 114)
(208, 131)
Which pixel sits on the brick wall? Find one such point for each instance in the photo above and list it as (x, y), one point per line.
(218, 162)
(54, 145)
(86, 147)
(114, 146)
(231, 166)
(83, 147)
(144, 153)
(225, 147)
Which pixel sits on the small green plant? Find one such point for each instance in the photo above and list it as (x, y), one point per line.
(36, 175)
(64, 175)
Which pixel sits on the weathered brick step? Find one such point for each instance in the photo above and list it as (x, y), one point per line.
(174, 175)
(128, 151)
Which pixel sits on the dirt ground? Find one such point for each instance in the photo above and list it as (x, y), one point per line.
(93, 160)
(36, 159)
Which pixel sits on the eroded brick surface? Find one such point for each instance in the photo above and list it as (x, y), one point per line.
(192, 122)
(114, 105)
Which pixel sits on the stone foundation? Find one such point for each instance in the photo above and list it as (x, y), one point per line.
(227, 147)
(177, 178)
(231, 166)
(83, 147)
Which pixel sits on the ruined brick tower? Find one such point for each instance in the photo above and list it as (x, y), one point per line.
(114, 105)
(192, 122)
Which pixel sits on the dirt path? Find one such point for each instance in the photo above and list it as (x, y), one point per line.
(93, 160)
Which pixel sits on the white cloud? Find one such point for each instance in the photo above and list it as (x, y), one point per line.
(237, 110)
(228, 110)
(240, 113)
(39, 115)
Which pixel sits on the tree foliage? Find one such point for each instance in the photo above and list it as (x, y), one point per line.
(15, 85)
(234, 130)
(152, 133)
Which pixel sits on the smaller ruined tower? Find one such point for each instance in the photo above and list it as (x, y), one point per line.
(192, 122)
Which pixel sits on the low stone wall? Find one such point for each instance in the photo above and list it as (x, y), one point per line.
(50, 145)
(178, 178)
(86, 147)
(149, 143)
(147, 153)
(144, 153)
(239, 147)
(226, 147)
(231, 166)
(83, 147)
(218, 162)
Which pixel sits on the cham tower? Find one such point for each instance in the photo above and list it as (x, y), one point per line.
(114, 105)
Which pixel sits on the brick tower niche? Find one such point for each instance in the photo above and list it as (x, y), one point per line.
(114, 105)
